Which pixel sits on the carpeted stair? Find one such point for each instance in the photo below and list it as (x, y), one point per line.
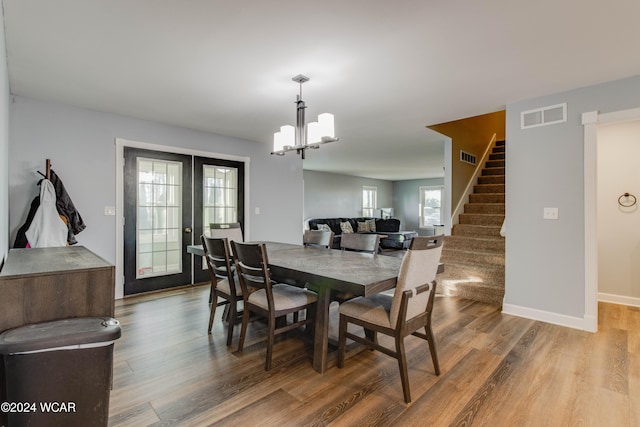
(474, 253)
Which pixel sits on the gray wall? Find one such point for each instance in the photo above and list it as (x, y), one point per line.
(80, 144)
(545, 258)
(4, 147)
(406, 202)
(329, 195)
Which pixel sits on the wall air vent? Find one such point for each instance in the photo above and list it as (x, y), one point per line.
(543, 116)
(467, 157)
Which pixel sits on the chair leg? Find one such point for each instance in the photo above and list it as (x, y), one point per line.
(270, 341)
(402, 364)
(310, 317)
(371, 336)
(232, 321)
(432, 348)
(342, 340)
(214, 302)
(243, 329)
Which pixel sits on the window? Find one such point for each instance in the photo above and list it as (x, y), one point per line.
(430, 206)
(368, 200)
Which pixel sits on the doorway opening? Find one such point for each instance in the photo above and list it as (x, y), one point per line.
(590, 121)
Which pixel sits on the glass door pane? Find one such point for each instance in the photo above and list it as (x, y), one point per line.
(159, 219)
(220, 195)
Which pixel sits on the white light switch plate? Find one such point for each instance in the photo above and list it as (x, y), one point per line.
(109, 210)
(550, 213)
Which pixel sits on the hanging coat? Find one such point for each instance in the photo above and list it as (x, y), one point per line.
(65, 207)
(21, 238)
(47, 229)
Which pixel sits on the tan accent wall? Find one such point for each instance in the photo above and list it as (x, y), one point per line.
(471, 135)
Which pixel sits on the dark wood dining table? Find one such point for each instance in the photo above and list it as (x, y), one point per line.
(326, 270)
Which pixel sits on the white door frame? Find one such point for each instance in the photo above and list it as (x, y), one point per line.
(590, 121)
(120, 144)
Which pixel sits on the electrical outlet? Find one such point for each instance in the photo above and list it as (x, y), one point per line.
(550, 213)
(110, 210)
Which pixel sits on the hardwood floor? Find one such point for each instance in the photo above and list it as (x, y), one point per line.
(497, 370)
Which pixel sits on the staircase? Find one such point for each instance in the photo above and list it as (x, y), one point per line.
(474, 253)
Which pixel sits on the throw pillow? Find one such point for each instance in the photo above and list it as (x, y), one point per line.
(346, 227)
(363, 227)
(323, 227)
(372, 225)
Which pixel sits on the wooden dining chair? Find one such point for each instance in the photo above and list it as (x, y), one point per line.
(230, 231)
(265, 298)
(400, 315)
(318, 238)
(224, 281)
(361, 242)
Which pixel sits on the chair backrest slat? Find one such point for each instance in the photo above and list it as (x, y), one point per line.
(252, 265)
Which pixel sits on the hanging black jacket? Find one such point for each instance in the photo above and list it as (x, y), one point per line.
(65, 207)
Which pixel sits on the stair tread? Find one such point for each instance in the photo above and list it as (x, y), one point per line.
(489, 267)
(483, 214)
(473, 238)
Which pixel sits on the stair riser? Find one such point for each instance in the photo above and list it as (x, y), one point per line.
(479, 219)
(471, 258)
(495, 164)
(499, 149)
(484, 208)
(493, 171)
(486, 198)
(497, 156)
(475, 230)
(470, 244)
(491, 179)
(489, 188)
(494, 276)
(474, 292)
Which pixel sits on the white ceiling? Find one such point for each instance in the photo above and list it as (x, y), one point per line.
(386, 69)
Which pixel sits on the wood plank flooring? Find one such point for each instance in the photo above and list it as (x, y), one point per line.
(497, 370)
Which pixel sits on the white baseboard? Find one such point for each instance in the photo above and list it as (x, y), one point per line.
(588, 323)
(583, 324)
(619, 299)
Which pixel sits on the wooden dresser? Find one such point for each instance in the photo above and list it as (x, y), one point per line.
(43, 284)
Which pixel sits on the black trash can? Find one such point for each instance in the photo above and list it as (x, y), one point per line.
(59, 373)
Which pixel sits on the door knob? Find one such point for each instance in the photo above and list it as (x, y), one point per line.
(187, 230)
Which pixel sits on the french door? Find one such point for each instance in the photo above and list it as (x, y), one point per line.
(164, 213)
(219, 199)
